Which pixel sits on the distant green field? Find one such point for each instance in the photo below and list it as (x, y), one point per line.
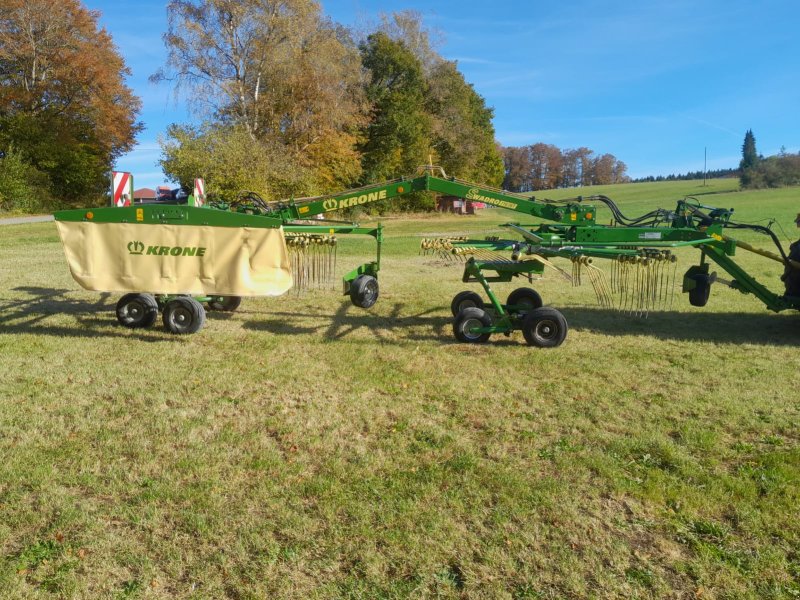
(303, 448)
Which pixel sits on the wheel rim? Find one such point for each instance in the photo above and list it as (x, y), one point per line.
(370, 292)
(546, 329)
(181, 318)
(135, 312)
(469, 324)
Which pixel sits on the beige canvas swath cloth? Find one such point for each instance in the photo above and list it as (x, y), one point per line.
(177, 259)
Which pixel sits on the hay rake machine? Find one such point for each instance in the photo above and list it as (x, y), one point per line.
(643, 265)
(217, 253)
(172, 259)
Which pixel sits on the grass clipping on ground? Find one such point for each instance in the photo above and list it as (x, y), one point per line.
(302, 447)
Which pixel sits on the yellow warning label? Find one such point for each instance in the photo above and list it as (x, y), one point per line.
(573, 216)
(140, 214)
(303, 210)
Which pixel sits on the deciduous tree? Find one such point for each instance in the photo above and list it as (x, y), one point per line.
(398, 136)
(231, 162)
(462, 130)
(276, 68)
(518, 168)
(544, 166)
(64, 105)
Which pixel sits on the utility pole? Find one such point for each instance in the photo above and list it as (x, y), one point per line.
(705, 163)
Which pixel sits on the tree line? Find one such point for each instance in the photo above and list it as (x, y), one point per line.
(284, 102)
(290, 103)
(756, 171)
(545, 166)
(712, 174)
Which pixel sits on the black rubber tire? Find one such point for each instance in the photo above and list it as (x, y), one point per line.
(467, 319)
(525, 297)
(364, 291)
(465, 299)
(545, 327)
(227, 303)
(137, 311)
(702, 290)
(184, 315)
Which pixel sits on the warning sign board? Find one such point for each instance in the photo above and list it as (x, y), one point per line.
(121, 188)
(199, 193)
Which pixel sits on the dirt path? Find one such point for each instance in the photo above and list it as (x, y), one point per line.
(21, 220)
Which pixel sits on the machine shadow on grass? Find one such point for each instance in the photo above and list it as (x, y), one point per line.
(765, 329)
(348, 319)
(432, 324)
(31, 309)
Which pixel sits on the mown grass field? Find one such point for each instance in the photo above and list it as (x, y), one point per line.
(304, 448)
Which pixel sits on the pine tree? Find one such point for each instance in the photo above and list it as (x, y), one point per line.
(749, 154)
(749, 162)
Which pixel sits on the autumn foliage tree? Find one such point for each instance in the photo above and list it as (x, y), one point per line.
(65, 111)
(340, 113)
(545, 166)
(276, 69)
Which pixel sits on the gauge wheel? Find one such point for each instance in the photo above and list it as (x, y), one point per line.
(225, 303)
(184, 315)
(468, 319)
(364, 291)
(526, 299)
(702, 290)
(544, 327)
(137, 311)
(465, 299)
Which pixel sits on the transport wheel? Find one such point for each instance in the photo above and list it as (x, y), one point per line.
(364, 291)
(544, 327)
(225, 303)
(466, 299)
(525, 298)
(470, 318)
(184, 315)
(137, 310)
(699, 295)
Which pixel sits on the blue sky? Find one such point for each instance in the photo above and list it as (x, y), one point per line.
(652, 82)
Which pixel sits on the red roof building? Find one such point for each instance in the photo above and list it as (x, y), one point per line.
(144, 195)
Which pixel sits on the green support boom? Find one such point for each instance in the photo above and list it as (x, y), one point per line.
(573, 213)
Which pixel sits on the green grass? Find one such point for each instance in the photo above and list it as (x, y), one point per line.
(301, 447)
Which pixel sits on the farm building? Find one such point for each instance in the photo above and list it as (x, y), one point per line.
(460, 206)
(144, 195)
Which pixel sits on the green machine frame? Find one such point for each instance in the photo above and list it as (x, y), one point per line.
(570, 230)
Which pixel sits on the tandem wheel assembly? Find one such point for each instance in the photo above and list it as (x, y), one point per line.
(541, 326)
(180, 314)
